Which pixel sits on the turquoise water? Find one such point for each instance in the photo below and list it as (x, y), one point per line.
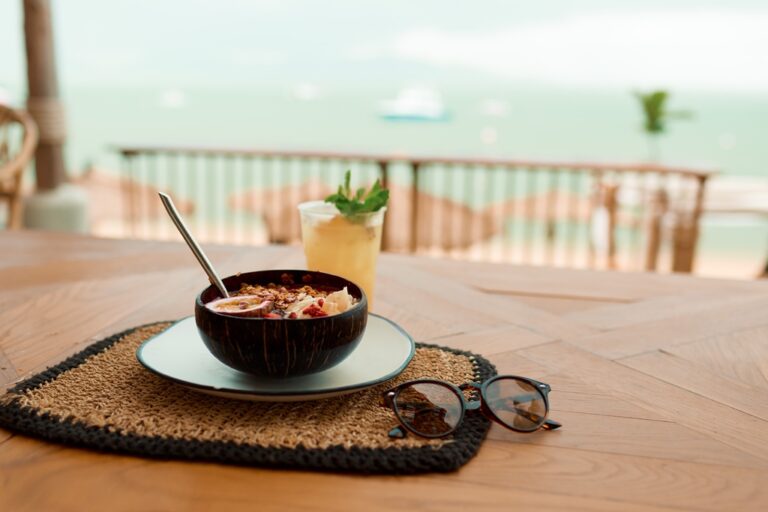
(726, 133)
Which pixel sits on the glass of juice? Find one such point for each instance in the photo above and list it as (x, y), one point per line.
(345, 246)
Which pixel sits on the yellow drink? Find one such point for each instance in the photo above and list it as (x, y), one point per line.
(338, 245)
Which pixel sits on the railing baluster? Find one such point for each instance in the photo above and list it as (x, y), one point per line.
(153, 207)
(464, 208)
(551, 199)
(653, 224)
(269, 196)
(235, 187)
(613, 213)
(225, 212)
(143, 185)
(593, 192)
(488, 209)
(509, 221)
(186, 163)
(206, 192)
(136, 196)
(414, 242)
(666, 194)
(174, 183)
(248, 198)
(572, 217)
(447, 231)
(314, 178)
(530, 214)
(635, 217)
(163, 184)
(685, 231)
(475, 231)
(497, 212)
(424, 217)
(586, 187)
(216, 175)
(297, 180)
(126, 181)
(383, 169)
(437, 190)
(203, 192)
(294, 184)
(698, 206)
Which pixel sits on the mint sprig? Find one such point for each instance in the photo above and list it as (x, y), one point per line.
(361, 201)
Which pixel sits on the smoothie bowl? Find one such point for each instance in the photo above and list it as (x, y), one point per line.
(282, 323)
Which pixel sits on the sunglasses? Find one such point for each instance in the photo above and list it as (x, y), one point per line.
(435, 408)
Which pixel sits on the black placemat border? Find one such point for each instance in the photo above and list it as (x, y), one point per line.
(448, 457)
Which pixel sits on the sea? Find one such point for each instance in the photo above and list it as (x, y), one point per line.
(727, 132)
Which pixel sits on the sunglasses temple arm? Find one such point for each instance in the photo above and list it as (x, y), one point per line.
(548, 423)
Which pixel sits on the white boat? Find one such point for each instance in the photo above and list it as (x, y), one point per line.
(414, 104)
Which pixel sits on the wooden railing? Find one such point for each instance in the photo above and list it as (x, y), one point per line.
(536, 212)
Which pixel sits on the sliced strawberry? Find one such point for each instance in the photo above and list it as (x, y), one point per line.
(314, 311)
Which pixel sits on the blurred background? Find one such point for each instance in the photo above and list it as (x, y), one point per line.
(627, 135)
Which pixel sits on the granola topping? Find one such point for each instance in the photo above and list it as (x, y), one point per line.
(292, 301)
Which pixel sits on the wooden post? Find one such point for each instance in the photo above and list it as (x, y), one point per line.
(611, 205)
(604, 209)
(385, 242)
(659, 205)
(684, 236)
(594, 201)
(686, 231)
(414, 242)
(43, 101)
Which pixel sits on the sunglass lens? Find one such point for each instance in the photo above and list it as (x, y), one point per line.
(517, 403)
(429, 409)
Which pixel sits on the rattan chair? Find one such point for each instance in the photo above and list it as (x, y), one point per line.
(18, 140)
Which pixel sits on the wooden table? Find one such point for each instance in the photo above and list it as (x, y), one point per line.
(661, 383)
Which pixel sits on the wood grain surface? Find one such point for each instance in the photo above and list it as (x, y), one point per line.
(661, 382)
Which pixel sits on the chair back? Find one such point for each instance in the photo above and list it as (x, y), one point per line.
(18, 140)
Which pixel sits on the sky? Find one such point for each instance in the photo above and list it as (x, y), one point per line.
(705, 45)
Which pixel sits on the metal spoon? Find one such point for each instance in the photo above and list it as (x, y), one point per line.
(213, 277)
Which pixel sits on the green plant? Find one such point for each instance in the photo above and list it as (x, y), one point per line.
(351, 203)
(656, 116)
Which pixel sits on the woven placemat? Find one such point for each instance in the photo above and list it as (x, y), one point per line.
(102, 398)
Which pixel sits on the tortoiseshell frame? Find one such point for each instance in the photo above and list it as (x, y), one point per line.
(469, 405)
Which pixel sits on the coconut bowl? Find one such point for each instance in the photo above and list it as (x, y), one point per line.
(282, 348)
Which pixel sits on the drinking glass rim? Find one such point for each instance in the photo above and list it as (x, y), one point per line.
(312, 208)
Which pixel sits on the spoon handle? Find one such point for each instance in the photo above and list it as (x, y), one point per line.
(192, 243)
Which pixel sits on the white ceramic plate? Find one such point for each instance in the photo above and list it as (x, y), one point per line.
(179, 354)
